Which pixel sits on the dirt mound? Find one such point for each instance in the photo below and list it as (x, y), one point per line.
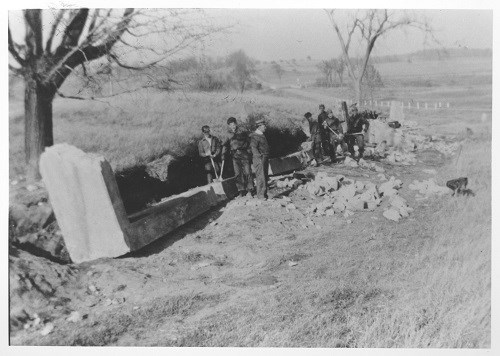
(37, 288)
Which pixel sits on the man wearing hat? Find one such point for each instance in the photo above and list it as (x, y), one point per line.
(324, 135)
(260, 152)
(312, 130)
(209, 148)
(357, 126)
(335, 132)
(239, 147)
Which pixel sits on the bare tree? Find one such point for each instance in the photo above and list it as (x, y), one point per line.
(55, 43)
(243, 67)
(370, 25)
(326, 68)
(278, 70)
(339, 68)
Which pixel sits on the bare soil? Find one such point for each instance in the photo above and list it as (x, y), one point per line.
(213, 281)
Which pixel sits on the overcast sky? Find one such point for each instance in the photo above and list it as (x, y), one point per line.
(290, 33)
(272, 34)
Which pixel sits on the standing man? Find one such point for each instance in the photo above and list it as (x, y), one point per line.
(209, 148)
(313, 132)
(260, 153)
(335, 132)
(239, 147)
(357, 126)
(324, 135)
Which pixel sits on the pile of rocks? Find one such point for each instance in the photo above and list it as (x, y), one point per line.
(346, 196)
(398, 208)
(428, 187)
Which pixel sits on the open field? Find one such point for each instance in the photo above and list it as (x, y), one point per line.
(225, 279)
(136, 128)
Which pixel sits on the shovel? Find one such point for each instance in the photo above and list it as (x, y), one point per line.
(215, 170)
(221, 169)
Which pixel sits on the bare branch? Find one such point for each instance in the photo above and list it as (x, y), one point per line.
(117, 61)
(33, 22)
(13, 50)
(50, 39)
(16, 71)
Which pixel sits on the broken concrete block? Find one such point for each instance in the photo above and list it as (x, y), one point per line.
(89, 209)
(392, 214)
(286, 164)
(348, 161)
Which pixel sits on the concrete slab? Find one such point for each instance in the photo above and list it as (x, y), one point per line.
(89, 209)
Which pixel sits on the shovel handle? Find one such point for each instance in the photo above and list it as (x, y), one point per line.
(222, 168)
(213, 165)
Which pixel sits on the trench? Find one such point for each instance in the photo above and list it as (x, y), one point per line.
(139, 188)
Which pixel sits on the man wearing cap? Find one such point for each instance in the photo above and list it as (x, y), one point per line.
(238, 146)
(312, 130)
(260, 152)
(209, 148)
(357, 126)
(335, 132)
(324, 135)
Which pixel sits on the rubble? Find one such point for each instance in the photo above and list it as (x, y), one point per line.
(47, 329)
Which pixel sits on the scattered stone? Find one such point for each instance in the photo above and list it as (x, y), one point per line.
(348, 161)
(292, 263)
(349, 221)
(348, 213)
(47, 329)
(135, 308)
(74, 317)
(213, 223)
(200, 265)
(14, 182)
(93, 288)
(392, 214)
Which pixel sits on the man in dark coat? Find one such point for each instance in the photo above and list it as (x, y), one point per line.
(335, 132)
(260, 153)
(312, 130)
(357, 126)
(238, 146)
(324, 135)
(209, 148)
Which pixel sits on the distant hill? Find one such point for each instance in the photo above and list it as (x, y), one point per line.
(435, 54)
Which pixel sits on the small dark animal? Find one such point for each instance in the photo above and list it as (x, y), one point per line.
(459, 186)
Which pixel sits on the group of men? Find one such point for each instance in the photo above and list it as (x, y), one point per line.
(327, 133)
(244, 149)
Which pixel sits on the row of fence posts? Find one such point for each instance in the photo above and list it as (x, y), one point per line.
(414, 105)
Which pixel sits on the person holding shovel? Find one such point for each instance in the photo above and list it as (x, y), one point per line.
(335, 134)
(209, 148)
(260, 152)
(357, 126)
(238, 146)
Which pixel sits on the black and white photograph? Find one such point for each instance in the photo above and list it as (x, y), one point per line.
(249, 176)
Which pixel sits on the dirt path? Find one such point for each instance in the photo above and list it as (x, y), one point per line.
(238, 275)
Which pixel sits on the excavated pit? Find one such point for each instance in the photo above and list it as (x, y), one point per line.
(143, 185)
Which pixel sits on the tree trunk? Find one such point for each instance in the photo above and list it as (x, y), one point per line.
(38, 124)
(357, 89)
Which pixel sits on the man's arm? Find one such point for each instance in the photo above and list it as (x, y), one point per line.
(218, 147)
(254, 146)
(201, 151)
